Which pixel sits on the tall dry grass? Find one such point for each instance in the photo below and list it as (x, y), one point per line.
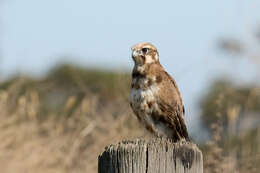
(51, 126)
(235, 139)
(61, 123)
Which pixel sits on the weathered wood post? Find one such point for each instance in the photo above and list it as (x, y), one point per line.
(155, 156)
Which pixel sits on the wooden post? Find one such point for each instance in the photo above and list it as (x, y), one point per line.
(155, 156)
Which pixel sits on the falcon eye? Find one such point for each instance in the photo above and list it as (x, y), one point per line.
(144, 50)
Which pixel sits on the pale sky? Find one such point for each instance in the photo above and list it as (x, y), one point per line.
(35, 35)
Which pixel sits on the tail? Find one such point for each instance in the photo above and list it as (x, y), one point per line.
(180, 131)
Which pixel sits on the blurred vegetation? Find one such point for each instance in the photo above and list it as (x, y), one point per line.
(66, 118)
(61, 122)
(232, 102)
(231, 113)
(65, 81)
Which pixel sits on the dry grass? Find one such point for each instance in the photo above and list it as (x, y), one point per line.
(232, 150)
(43, 132)
(62, 122)
(64, 144)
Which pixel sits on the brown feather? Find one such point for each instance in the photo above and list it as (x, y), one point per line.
(155, 97)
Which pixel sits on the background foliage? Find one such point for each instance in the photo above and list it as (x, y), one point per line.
(61, 122)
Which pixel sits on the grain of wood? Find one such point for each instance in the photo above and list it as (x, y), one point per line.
(155, 156)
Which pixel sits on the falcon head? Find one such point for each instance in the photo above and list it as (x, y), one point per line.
(144, 53)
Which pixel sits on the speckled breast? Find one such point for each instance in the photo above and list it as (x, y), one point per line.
(143, 95)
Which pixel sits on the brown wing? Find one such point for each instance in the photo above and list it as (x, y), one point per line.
(171, 107)
(173, 117)
(175, 87)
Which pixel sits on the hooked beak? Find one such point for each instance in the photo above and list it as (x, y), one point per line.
(135, 53)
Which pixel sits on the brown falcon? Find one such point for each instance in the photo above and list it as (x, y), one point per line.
(155, 97)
